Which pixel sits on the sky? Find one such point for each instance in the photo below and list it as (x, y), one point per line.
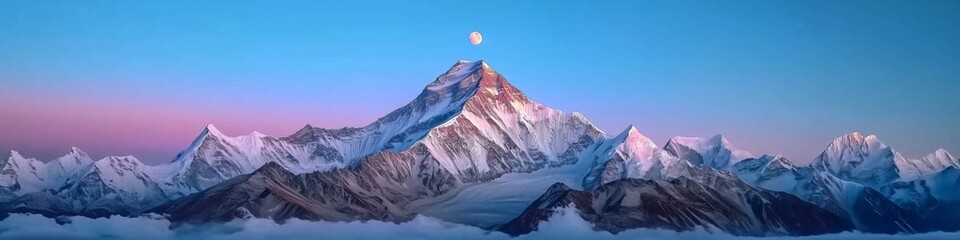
(778, 77)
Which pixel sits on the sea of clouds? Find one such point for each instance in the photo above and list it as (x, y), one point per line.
(562, 226)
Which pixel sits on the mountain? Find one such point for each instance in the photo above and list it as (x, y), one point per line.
(471, 118)
(715, 152)
(713, 201)
(934, 196)
(474, 150)
(868, 161)
(75, 185)
(860, 159)
(19, 174)
(867, 208)
(470, 122)
(632, 155)
(467, 128)
(379, 188)
(932, 163)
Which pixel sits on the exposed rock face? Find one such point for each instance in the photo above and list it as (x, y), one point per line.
(379, 188)
(683, 204)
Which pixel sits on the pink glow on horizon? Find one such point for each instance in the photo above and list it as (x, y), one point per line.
(45, 128)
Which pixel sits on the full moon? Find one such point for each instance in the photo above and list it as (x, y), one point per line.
(475, 38)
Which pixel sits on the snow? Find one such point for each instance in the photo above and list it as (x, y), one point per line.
(474, 123)
(868, 161)
(716, 152)
(860, 159)
(487, 204)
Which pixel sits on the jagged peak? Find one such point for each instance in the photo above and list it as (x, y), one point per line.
(75, 151)
(940, 155)
(856, 139)
(631, 134)
(941, 152)
(304, 130)
(210, 129)
(466, 75)
(257, 134)
(110, 161)
(696, 142)
(14, 154)
(778, 158)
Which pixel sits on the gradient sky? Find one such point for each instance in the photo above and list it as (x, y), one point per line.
(132, 77)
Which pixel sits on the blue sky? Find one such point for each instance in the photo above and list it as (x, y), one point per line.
(143, 78)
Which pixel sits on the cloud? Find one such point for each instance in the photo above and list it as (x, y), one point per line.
(565, 226)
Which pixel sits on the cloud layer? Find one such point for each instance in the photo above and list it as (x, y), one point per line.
(564, 226)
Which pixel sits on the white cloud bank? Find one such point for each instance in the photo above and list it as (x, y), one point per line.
(566, 226)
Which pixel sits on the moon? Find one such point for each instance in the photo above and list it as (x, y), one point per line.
(475, 38)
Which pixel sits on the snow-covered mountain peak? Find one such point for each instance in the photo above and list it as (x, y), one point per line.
(21, 173)
(19, 161)
(715, 152)
(76, 158)
(256, 134)
(128, 162)
(76, 151)
(864, 160)
(632, 155)
(461, 75)
(14, 155)
(212, 130)
(633, 136)
(911, 169)
(940, 155)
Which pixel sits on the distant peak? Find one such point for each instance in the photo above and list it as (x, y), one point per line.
(941, 151)
(15, 154)
(75, 151)
(856, 137)
(632, 131)
(210, 129)
(631, 134)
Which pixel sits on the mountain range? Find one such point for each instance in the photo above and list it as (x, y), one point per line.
(473, 149)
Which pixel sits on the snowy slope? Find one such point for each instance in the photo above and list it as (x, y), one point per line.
(864, 206)
(868, 161)
(932, 163)
(632, 155)
(470, 140)
(20, 175)
(67, 167)
(860, 159)
(715, 152)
